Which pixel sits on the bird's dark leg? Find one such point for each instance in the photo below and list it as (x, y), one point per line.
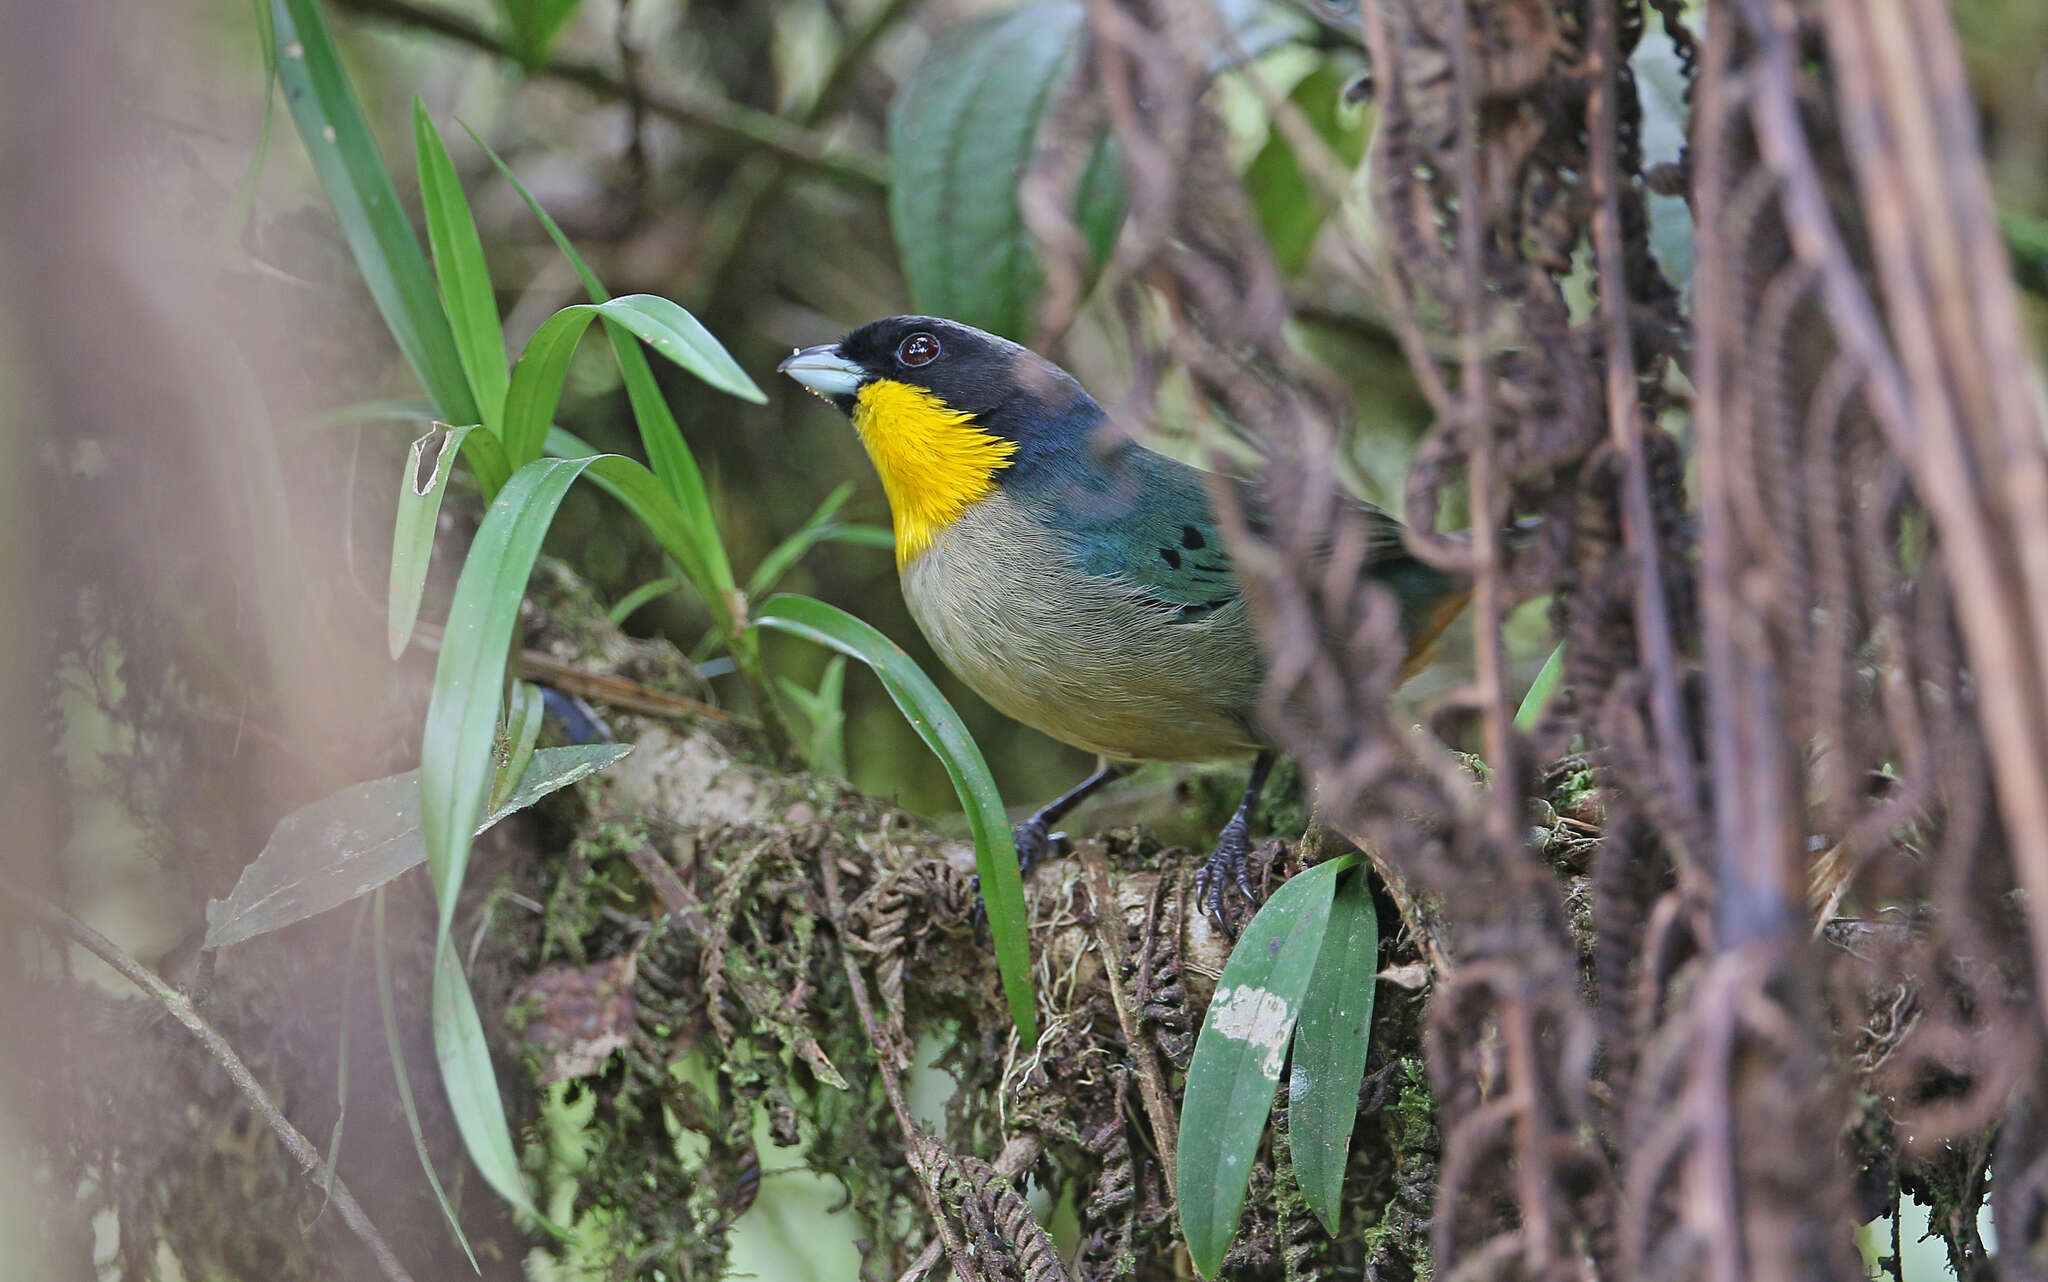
(1035, 835)
(1227, 864)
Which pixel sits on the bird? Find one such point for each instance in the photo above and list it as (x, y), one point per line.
(1075, 579)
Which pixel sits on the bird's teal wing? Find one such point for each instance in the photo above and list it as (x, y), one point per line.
(1146, 519)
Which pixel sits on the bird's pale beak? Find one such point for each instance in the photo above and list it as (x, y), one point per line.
(824, 370)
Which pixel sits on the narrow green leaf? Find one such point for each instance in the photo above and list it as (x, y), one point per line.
(667, 452)
(1239, 1055)
(522, 731)
(465, 277)
(544, 365)
(354, 840)
(1541, 691)
(532, 25)
(463, 1055)
(358, 186)
(394, 1045)
(242, 200)
(455, 774)
(1330, 1045)
(791, 550)
(1292, 206)
(427, 467)
(1002, 889)
(631, 602)
(455, 750)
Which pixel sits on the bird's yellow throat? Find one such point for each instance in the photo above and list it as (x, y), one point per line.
(934, 462)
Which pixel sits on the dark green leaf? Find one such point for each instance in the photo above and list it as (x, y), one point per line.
(1239, 1055)
(1330, 1043)
(1290, 203)
(532, 25)
(366, 205)
(963, 128)
(466, 294)
(1002, 889)
(324, 854)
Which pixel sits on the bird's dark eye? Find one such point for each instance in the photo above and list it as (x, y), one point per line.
(918, 349)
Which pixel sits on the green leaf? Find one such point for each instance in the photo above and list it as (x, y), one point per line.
(532, 25)
(544, 364)
(522, 731)
(394, 1045)
(463, 1054)
(466, 294)
(1239, 1055)
(455, 773)
(630, 603)
(824, 713)
(962, 131)
(1330, 1044)
(791, 550)
(1291, 206)
(455, 751)
(428, 466)
(354, 840)
(1002, 889)
(667, 452)
(1541, 691)
(352, 172)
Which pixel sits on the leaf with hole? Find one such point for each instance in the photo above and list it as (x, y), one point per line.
(1239, 1055)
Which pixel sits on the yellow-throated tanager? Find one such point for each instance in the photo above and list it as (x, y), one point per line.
(1076, 580)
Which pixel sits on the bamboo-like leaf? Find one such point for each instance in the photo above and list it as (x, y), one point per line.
(1330, 1044)
(463, 1053)
(346, 844)
(465, 277)
(394, 1045)
(1239, 1055)
(667, 452)
(358, 186)
(455, 774)
(522, 731)
(428, 466)
(791, 550)
(1541, 691)
(630, 603)
(1002, 888)
(537, 380)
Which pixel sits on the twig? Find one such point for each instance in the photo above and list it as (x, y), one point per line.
(612, 691)
(1151, 1079)
(1654, 640)
(914, 1141)
(737, 125)
(181, 1009)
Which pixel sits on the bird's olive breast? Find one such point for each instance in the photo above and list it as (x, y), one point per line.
(1082, 657)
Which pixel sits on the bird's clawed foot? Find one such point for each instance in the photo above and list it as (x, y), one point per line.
(1227, 866)
(1035, 844)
